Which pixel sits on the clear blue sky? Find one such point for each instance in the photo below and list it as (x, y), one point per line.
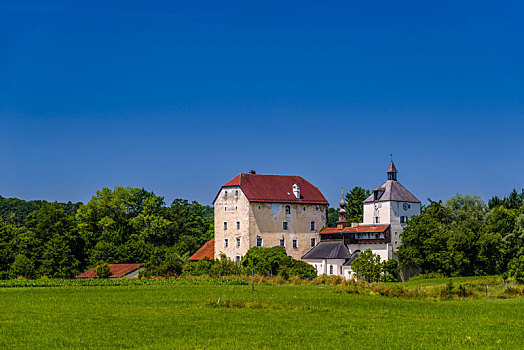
(179, 97)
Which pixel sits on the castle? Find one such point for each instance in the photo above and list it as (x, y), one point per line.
(269, 210)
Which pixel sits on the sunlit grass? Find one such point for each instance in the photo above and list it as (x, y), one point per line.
(191, 316)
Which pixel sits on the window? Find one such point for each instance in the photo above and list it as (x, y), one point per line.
(238, 242)
(225, 226)
(225, 208)
(282, 242)
(284, 226)
(225, 194)
(330, 269)
(304, 208)
(341, 269)
(317, 208)
(226, 242)
(238, 225)
(259, 241)
(313, 241)
(294, 244)
(376, 220)
(403, 219)
(237, 258)
(259, 207)
(236, 193)
(288, 210)
(313, 226)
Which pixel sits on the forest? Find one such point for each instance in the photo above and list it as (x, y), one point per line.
(122, 225)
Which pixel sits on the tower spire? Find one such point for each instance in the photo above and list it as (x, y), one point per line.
(342, 202)
(392, 171)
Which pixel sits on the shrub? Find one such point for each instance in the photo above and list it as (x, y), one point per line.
(516, 269)
(102, 270)
(198, 268)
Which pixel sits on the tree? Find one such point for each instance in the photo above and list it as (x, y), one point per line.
(367, 266)
(102, 270)
(390, 271)
(124, 224)
(425, 240)
(332, 217)
(22, 267)
(354, 205)
(266, 261)
(58, 249)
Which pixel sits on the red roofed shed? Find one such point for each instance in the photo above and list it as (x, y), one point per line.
(117, 270)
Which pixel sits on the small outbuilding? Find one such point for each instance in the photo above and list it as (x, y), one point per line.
(117, 271)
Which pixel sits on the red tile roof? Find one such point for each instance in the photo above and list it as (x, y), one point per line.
(206, 251)
(276, 189)
(117, 270)
(359, 229)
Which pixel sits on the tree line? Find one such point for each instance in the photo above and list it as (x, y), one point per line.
(120, 225)
(464, 236)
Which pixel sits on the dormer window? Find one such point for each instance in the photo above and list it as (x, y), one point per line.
(296, 191)
(288, 209)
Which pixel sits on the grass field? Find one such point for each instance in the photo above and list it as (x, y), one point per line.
(307, 316)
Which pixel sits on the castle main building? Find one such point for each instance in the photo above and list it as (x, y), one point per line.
(266, 211)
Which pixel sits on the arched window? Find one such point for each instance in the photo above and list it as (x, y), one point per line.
(330, 269)
(288, 209)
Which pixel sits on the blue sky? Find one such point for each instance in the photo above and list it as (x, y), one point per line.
(179, 97)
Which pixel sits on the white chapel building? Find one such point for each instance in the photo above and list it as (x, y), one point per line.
(386, 213)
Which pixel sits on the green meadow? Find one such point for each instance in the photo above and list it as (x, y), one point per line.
(212, 315)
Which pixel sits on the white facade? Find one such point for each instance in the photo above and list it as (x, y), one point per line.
(393, 213)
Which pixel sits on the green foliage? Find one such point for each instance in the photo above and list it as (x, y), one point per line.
(332, 217)
(17, 210)
(266, 261)
(198, 268)
(367, 266)
(516, 269)
(164, 262)
(224, 266)
(354, 206)
(390, 271)
(22, 267)
(102, 270)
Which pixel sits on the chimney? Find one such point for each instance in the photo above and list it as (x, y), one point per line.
(252, 172)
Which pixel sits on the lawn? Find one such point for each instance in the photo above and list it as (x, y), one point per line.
(307, 316)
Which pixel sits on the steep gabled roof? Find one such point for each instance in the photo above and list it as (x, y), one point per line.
(393, 191)
(117, 270)
(328, 250)
(276, 189)
(207, 251)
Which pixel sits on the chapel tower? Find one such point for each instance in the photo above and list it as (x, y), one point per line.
(391, 203)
